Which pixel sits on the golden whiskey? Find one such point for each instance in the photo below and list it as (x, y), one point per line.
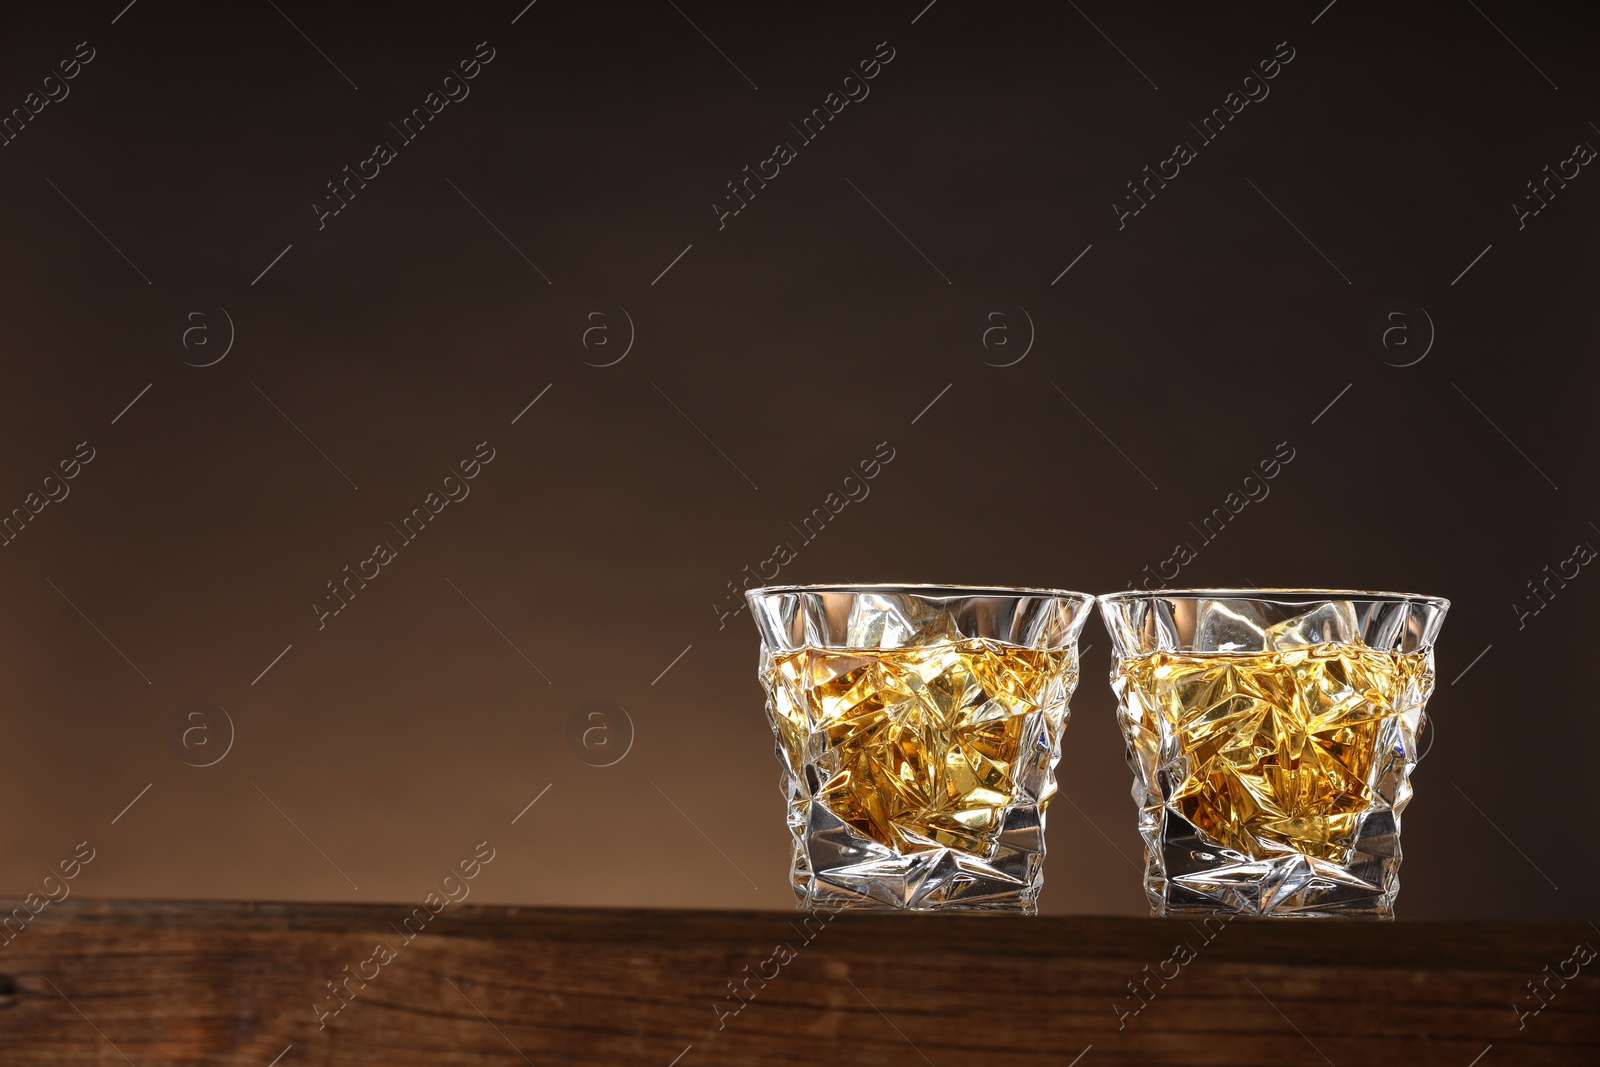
(925, 746)
(1272, 753)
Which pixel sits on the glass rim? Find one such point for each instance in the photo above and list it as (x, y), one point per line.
(924, 589)
(1277, 595)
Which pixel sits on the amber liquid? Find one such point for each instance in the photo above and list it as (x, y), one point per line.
(1278, 747)
(920, 746)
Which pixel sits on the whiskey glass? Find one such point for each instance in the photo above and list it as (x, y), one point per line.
(1272, 734)
(918, 728)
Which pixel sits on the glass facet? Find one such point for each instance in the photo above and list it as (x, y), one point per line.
(918, 728)
(1272, 734)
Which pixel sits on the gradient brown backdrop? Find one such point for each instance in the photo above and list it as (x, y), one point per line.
(773, 355)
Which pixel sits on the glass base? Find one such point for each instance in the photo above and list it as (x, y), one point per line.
(836, 867)
(1187, 875)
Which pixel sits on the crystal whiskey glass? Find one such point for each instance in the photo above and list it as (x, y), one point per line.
(918, 728)
(1272, 734)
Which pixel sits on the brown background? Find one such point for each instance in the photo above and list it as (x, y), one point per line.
(797, 338)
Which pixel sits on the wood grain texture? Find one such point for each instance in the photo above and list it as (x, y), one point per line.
(148, 983)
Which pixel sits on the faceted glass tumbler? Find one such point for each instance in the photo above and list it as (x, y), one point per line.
(1272, 734)
(918, 728)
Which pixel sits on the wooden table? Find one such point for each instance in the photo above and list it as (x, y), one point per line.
(149, 983)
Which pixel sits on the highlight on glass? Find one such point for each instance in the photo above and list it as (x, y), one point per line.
(918, 728)
(1272, 735)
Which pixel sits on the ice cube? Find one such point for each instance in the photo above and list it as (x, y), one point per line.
(881, 621)
(1229, 626)
(1333, 620)
(938, 629)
